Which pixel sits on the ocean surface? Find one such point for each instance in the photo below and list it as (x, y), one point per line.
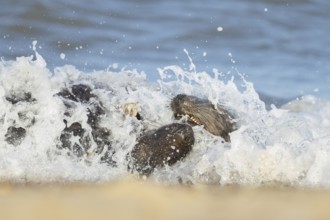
(279, 45)
(233, 53)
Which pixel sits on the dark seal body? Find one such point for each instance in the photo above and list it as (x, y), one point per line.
(217, 121)
(78, 139)
(164, 146)
(15, 133)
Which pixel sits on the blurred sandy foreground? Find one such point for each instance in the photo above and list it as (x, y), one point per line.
(132, 199)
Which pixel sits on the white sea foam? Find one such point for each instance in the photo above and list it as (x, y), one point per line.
(289, 145)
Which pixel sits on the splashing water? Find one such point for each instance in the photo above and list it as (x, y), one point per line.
(287, 145)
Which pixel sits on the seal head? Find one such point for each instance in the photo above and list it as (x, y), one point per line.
(216, 120)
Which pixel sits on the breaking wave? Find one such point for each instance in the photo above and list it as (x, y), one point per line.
(282, 145)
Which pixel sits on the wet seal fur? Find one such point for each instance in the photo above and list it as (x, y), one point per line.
(216, 120)
(164, 146)
(83, 95)
(16, 133)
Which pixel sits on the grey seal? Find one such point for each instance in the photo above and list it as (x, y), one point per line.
(216, 120)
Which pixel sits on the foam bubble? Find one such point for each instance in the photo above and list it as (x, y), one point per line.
(62, 56)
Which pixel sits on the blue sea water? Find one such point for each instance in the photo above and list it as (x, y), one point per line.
(281, 46)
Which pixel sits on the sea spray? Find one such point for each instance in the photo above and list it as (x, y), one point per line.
(288, 145)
